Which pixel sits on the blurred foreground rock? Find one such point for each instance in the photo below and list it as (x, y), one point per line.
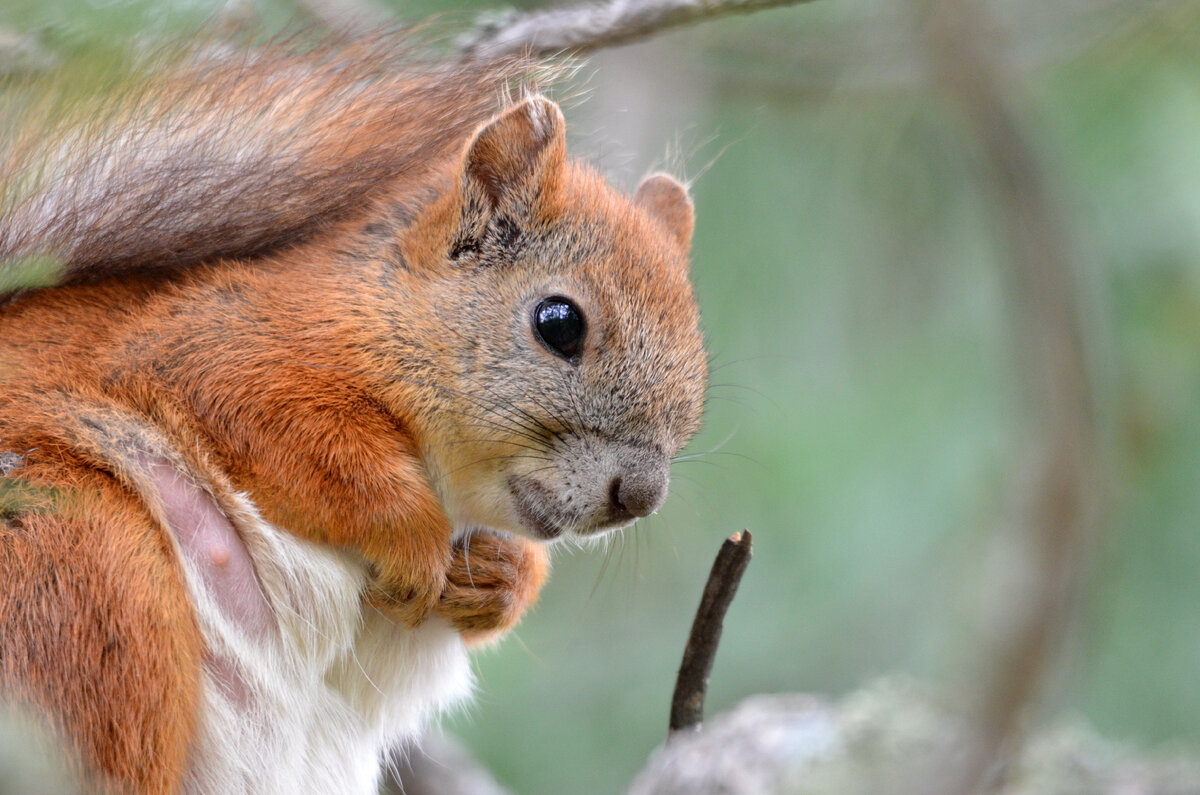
(892, 737)
(30, 764)
(439, 766)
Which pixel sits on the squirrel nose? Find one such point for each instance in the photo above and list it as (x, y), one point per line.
(636, 494)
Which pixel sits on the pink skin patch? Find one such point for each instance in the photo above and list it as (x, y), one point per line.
(207, 539)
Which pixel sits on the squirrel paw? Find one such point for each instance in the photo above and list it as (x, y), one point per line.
(492, 580)
(408, 602)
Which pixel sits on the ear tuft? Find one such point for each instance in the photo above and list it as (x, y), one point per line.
(668, 203)
(520, 149)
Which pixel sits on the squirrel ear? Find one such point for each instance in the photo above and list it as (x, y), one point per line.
(517, 152)
(667, 201)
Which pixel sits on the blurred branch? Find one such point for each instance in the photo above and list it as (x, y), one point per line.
(1059, 500)
(687, 704)
(881, 53)
(870, 54)
(591, 26)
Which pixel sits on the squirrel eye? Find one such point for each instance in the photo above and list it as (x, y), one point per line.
(558, 323)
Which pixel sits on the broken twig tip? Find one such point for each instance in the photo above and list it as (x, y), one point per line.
(687, 704)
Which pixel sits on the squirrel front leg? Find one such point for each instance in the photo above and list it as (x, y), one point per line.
(492, 580)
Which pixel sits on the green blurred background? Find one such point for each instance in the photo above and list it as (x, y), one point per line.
(864, 404)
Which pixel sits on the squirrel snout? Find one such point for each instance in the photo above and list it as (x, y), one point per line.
(589, 495)
(636, 494)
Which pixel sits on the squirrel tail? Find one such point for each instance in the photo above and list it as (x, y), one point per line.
(231, 152)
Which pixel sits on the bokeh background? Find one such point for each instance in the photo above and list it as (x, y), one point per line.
(864, 413)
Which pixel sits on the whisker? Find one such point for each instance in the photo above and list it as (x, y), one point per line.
(711, 450)
(529, 426)
(529, 432)
(608, 547)
(467, 554)
(479, 461)
(529, 416)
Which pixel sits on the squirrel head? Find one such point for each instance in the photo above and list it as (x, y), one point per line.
(557, 364)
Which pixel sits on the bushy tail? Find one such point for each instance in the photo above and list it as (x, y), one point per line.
(231, 152)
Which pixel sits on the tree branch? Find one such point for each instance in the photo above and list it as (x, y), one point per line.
(1058, 494)
(588, 27)
(687, 704)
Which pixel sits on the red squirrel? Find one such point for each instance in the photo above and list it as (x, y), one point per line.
(341, 340)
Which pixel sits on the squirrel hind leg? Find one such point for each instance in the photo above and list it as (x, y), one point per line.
(96, 630)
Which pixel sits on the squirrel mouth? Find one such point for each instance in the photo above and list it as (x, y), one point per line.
(539, 513)
(533, 501)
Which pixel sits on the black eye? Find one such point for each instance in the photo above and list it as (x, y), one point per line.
(558, 323)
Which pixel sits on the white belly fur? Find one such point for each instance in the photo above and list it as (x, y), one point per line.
(315, 707)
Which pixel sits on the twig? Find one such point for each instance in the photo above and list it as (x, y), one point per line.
(591, 26)
(687, 704)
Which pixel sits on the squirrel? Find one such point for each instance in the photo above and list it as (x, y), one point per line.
(339, 341)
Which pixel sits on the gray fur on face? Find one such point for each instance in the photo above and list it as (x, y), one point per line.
(579, 446)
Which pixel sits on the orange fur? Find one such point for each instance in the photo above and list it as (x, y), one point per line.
(96, 626)
(364, 383)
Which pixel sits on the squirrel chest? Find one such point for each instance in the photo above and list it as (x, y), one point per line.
(305, 686)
